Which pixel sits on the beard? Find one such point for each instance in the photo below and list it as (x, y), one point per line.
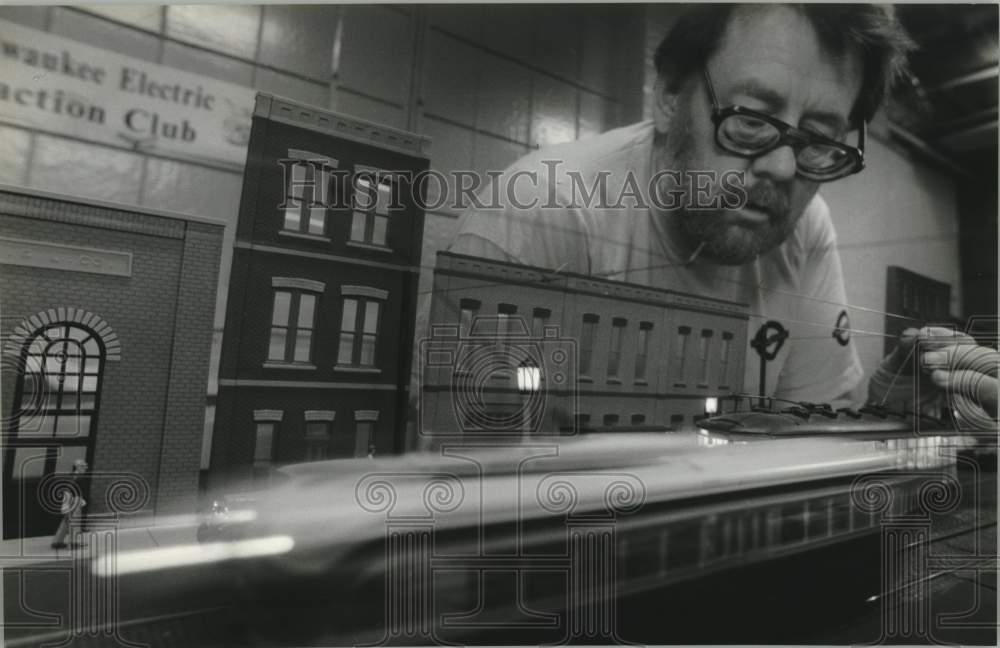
(718, 234)
(727, 240)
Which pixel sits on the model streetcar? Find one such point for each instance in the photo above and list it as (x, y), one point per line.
(776, 417)
(442, 547)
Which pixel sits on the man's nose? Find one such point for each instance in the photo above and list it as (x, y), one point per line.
(779, 164)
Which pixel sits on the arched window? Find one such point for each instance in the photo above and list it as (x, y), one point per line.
(56, 400)
(60, 383)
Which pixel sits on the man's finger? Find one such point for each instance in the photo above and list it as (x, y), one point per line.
(979, 359)
(936, 337)
(964, 357)
(976, 386)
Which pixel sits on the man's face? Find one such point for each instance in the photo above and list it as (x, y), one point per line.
(769, 60)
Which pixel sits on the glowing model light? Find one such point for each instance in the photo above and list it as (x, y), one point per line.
(146, 560)
(711, 405)
(529, 379)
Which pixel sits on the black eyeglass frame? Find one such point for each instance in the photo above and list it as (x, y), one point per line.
(788, 135)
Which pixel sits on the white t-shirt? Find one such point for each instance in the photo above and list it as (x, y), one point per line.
(799, 285)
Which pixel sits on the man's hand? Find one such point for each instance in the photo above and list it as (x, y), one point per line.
(954, 365)
(900, 361)
(965, 371)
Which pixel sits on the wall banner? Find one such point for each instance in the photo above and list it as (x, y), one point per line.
(64, 87)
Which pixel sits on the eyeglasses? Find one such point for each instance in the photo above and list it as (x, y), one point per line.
(748, 133)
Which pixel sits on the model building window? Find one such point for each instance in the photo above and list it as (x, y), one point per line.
(680, 351)
(703, 346)
(317, 440)
(372, 199)
(263, 451)
(727, 339)
(358, 331)
(615, 351)
(60, 382)
(318, 426)
(539, 318)
(588, 334)
(364, 436)
(293, 319)
(642, 350)
(908, 297)
(364, 432)
(307, 183)
(468, 309)
(638, 419)
(505, 325)
(610, 420)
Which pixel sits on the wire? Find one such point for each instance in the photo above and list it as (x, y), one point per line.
(694, 255)
(550, 276)
(555, 228)
(899, 370)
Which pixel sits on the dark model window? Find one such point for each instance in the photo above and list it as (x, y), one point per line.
(358, 331)
(504, 325)
(307, 182)
(370, 218)
(317, 440)
(727, 339)
(263, 451)
(642, 349)
(703, 348)
(364, 437)
(469, 308)
(293, 319)
(539, 318)
(588, 334)
(615, 351)
(680, 351)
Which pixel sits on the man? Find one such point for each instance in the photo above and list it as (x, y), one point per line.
(756, 106)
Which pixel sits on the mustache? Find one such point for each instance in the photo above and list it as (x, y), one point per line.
(768, 197)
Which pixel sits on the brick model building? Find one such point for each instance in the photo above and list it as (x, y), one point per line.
(106, 329)
(319, 325)
(525, 350)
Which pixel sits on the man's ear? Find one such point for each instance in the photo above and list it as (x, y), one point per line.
(664, 104)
